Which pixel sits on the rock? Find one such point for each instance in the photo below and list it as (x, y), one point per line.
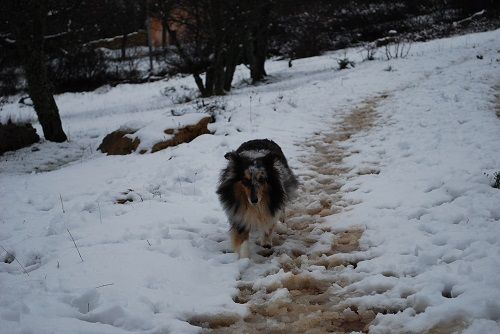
(16, 136)
(184, 135)
(116, 143)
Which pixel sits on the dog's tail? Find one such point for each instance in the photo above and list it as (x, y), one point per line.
(291, 185)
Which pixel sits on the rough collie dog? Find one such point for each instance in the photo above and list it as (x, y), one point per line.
(253, 190)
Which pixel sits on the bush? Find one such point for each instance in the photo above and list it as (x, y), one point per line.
(16, 136)
(497, 180)
(9, 82)
(494, 179)
(79, 70)
(302, 30)
(345, 63)
(369, 50)
(400, 48)
(179, 95)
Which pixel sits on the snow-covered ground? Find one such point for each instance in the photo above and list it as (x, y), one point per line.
(430, 253)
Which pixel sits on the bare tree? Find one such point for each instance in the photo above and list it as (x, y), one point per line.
(258, 20)
(27, 20)
(212, 37)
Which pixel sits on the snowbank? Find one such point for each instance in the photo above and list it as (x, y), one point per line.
(432, 243)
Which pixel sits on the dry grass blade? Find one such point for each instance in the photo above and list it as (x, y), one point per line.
(75, 244)
(15, 258)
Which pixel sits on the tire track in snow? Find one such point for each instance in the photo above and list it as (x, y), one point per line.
(296, 287)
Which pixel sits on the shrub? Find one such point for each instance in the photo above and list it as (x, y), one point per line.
(345, 63)
(10, 81)
(369, 50)
(399, 48)
(181, 94)
(79, 70)
(496, 177)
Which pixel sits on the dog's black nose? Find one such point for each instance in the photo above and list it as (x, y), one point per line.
(254, 200)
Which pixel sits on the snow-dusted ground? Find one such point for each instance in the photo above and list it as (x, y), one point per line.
(430, 254)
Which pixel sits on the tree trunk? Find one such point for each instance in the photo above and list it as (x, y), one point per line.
(219, 74)
(164, 23)
(256, 42)
(124, 46)
(43, 100)
(261, 51)
(209, 82)
(30, 43)
(150, 40)
(252, 60)
(233, 57)
(199, 84)
(217, 33)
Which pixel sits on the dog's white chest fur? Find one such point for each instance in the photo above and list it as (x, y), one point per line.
(255, 216)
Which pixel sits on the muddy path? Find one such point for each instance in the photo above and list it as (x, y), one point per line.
(295, 287)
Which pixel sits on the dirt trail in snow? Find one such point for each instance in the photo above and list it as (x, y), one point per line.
(295, 287)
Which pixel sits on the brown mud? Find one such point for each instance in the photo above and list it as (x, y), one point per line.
(299, 301)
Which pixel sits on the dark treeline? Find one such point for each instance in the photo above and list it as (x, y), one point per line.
(252, 31)
(67, 26)
(52, 46)
(306, 28)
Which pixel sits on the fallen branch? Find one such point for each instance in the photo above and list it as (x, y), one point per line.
(470, 18)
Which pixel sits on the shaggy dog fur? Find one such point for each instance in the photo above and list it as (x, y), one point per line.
(253, 190)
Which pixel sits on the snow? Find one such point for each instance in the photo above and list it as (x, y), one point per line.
(431, 213)
(154, 131)
(430, 251)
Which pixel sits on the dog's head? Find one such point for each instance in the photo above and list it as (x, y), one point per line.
(252, 174)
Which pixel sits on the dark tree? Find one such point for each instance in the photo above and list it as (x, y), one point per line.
(214, 36)
(28, 24)
(257, 37)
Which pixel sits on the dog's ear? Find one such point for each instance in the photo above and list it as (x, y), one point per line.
(231, 156)
(271, 158)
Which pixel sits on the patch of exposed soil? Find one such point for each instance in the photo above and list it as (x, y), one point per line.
(307, 257)
(117, 143)
(184, 135)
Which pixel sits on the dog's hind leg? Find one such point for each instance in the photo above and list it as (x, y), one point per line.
(283, 215)
(239, 240)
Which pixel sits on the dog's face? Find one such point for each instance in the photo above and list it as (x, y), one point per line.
(254, 182)
(252, 175)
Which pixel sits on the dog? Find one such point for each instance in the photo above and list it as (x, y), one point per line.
(253, 189)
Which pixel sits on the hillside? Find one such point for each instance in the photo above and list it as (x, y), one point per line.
(396, 227)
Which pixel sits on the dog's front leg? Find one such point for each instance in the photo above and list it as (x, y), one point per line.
(239, 238)
(266, 240)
